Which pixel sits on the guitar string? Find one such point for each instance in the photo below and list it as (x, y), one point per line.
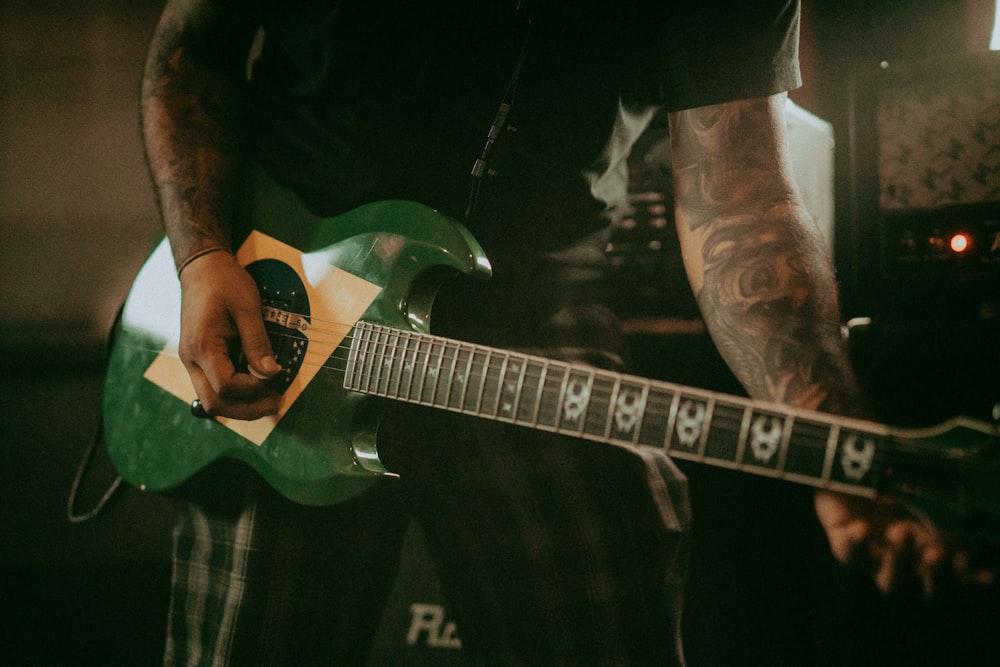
(532, 376)
(876, 469)
(344, 332)
(385, 344)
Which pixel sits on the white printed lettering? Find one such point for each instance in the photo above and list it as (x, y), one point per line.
(429, 619)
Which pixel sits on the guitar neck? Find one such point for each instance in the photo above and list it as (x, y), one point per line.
(692, 424)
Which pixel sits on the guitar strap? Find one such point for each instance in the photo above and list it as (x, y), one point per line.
(488, 162)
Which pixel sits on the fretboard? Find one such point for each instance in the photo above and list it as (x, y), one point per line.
(692, 424)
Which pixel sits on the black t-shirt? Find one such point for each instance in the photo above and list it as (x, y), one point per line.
(360, 100)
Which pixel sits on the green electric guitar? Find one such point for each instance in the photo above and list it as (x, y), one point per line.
(347, 303)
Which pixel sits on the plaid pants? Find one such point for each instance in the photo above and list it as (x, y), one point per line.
(550, 551)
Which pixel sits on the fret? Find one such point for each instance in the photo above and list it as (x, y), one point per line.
(477, 371)
(598, 411)
(707, 428)
(433, 376)
(501, 384)
(356, 357)
(727, 434)
(371, 357)
(460, 377)
(523, 362)
(446, 373)
(374, 361)
(806, 455)
(367, 360)
(421, 360)
(786, 438)
(510, 386)
(625, 420)
(352, 360)
(388, 361)
(432, 372)
(656, 417)
(378, 363)
(574, 399)
(611, 413)
(491, 384)
(410, 366)
(830, 453)
(421, 368)
(675, 403)
(397, 371)
(497, 400)
(378, 354)
(530, 391)
(383, 367)
(550, 400)
(744, 431)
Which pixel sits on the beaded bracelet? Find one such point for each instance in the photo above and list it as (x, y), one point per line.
(200, 253)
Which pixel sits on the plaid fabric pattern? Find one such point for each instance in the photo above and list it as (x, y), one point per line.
(259, 580)
(209, 582)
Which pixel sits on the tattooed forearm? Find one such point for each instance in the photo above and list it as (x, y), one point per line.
(191, 132)
(760, 270)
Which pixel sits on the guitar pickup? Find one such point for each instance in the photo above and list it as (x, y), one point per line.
(286, 319)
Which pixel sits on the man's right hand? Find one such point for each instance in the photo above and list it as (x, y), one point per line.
(221, 312)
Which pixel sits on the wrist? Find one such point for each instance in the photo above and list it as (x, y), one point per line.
(200, 253)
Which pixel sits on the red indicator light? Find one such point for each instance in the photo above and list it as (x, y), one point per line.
(960, 242)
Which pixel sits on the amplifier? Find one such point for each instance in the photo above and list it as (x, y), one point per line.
(925, 185)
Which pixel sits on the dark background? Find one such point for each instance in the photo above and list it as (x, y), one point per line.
(77, 217)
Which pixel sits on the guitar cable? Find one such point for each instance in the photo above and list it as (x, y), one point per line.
(112, 492)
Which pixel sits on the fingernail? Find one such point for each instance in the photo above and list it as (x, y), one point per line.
(257, 374)
(270, 365)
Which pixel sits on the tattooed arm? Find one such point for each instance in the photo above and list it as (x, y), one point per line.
(756, 260)
(192, 94)
(763, 280)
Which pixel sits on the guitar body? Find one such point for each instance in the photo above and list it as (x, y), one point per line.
(322, 449)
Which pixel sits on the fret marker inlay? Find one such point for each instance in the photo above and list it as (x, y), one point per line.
(576, 400)
(690, 417)
(765, 437)
(857, 456)
(577, 395)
